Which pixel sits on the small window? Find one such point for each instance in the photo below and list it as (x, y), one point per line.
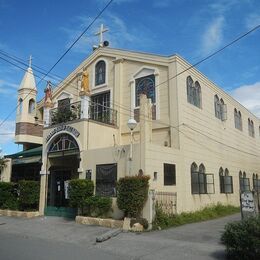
(100, 73)
(220, 108)
(193, 92)
(201, 183)
(20, 106)
(251, 129)
(238, 119)
(244, 182)
(31, 107)
(226, 181)
(169, 174)
(256, 183)
(106, 177)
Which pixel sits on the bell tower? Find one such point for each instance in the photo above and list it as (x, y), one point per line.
(27, 132)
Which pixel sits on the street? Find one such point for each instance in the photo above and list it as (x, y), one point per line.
(56, 238)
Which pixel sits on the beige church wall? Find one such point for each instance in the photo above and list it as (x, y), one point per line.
(199, 146)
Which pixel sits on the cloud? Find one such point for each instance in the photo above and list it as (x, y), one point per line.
(7, 87)
(7, 132)
(252, 21)
(249, 96)
(119, 35)
(213, 35)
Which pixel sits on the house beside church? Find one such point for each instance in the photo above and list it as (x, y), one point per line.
(192, 138)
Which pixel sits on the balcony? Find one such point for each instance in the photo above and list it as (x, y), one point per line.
(65, 113)
(103, 114)
(72, 112)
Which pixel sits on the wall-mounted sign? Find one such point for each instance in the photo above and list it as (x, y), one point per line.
(247, 204)
(60, 128)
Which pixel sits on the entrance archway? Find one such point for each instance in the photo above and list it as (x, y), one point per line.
(63, 158)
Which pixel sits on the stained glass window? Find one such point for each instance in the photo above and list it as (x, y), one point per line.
(145, 85)
(100, 73)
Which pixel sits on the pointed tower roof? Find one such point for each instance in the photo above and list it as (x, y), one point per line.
(28, 78)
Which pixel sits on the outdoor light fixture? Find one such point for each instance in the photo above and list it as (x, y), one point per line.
(131, 125)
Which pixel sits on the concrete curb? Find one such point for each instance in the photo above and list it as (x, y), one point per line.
(108, 235)
(104, 222)
(16, 213)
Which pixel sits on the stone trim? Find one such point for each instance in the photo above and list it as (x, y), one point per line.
(104, 222)
(22, 214)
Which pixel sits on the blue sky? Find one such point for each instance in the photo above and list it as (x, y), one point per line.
(192, 29)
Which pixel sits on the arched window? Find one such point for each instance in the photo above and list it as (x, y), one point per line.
(20, 106)
(31, 107)
(256, 183)
(193, 92)
(194, 178)
(217, 107)
(100, 73)
(63, 142)
(244, 182)
(197, 97)
(251, 128)
(238, 119)
(189, 83)
(221, 180)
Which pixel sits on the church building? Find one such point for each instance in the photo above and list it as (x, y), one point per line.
(120, 113)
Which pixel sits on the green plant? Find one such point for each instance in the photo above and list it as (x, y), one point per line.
(97, 206)
(8, 196)
(163, 220)
(2, 163)
(132, 193)
(29, 194)
(242, 239)
(79, 191)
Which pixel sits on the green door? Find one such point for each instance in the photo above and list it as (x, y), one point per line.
(58, 202)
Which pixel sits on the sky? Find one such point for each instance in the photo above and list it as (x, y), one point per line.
(192, 29)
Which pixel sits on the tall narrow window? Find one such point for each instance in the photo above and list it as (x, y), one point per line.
(31, 107)
(256, 183)
(100, 73)
(221, 180)
(169, 174)
(145, 85)
(243, 182)
(251, 129)
(217, 107)
(20, 106)
(194, 179)
(193, 92)
(238, 119)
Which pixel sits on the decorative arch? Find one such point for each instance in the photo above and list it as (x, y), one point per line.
(20, 106)
(63, 142)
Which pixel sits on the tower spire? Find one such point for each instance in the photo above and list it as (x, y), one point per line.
(30, 61)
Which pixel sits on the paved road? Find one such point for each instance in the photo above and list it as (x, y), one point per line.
(55, 238)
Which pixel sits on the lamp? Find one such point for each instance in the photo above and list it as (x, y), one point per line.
(131, 125)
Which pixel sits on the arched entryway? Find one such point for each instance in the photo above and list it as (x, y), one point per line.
(63, 160)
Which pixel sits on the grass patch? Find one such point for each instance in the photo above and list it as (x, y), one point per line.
(163, 220)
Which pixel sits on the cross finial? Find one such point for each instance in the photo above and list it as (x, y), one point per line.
(100, 33)
(30, 61)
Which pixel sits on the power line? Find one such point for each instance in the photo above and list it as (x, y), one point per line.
(63, 55)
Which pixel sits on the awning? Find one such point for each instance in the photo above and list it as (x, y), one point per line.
(34, 159)
(27, 153)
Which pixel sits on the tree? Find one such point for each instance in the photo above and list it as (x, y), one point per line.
(2, 164)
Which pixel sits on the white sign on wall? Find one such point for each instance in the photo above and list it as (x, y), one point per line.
(60, 128)
(247, 204)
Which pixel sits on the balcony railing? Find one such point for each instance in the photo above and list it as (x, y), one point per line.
(102, 113)
(66, 113)
(97, 112)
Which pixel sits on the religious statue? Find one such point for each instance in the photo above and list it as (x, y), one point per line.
(48, 93)
(85, 83)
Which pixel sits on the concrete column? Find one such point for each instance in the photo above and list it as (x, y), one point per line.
(6, 172)
(145, 128)
(85, 103)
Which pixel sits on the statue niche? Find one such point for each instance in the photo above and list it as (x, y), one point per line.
(85, 84)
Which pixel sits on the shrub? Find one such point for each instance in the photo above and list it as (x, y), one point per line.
(29, 194)
(97, 206)
(242, 239)
(163, 220)
(79, 191)
(142, 221)
(132, 193)
(8, 196)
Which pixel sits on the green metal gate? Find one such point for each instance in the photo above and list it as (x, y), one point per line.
(60, 212)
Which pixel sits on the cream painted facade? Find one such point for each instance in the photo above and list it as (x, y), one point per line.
(181, 133)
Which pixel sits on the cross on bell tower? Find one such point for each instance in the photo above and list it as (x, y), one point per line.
(30, 61)
(100, 34)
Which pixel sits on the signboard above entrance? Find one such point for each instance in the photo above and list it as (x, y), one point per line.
(60, 128)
